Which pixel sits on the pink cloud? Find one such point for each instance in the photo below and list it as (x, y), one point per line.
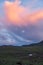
(35, 16)
(17, 14)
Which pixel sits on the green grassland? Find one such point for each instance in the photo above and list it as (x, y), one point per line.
(10, 55)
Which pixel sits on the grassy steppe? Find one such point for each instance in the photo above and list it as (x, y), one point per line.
(10, 55)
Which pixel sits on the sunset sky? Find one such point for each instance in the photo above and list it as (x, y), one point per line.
(21, 21)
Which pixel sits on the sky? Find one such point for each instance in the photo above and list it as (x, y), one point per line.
(21, 21)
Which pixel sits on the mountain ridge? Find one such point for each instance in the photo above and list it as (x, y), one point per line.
(35, 44)
(32, 44)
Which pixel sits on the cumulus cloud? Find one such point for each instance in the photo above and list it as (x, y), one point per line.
(18, 15)
(14, 12)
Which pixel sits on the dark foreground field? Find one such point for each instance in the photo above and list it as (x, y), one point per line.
(10, 55)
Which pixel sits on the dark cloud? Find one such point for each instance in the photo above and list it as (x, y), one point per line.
(32, 32)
